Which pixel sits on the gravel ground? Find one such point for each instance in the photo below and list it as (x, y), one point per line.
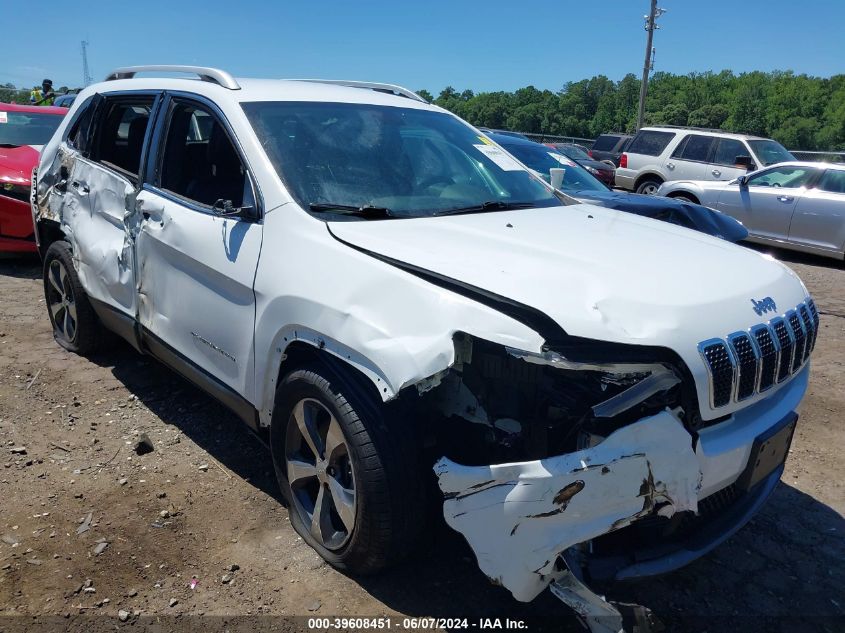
(90, 528)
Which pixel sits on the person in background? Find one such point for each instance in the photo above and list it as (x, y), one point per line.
(35, 95)
(48, 97)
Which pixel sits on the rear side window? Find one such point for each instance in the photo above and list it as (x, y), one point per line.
(694, 147)
(650, 142)
(120, 133)
(605, 142)
(728, 150)
(833, 181)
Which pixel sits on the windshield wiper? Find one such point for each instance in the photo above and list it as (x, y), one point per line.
(365, 211)
(490, 205)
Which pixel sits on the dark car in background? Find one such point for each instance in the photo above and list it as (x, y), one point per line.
(584, 187)
(610, 146)
(604, 171)
(24, 129)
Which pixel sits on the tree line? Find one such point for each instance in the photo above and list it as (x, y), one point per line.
(800, 111)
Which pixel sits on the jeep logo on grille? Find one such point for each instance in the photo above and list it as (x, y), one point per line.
(764, 305)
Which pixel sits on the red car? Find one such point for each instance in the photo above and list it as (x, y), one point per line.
(24, 130)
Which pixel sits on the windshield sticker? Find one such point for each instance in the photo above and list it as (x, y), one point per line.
(563, 160)
(485, 140)
(4, 118)
(502, 160)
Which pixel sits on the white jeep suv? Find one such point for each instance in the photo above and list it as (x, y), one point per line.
(660, 154)
(386, 297)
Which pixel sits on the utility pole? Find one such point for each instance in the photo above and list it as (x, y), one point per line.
(86, 73)
(650, 27)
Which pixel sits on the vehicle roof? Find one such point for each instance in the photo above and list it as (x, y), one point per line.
(808, 163)
(20, 107)
(260, 90)
(704, 132)
(507, 139)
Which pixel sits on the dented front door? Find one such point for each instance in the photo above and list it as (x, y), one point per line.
(196, 266)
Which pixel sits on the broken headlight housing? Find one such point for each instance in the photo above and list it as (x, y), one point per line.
(520, 405)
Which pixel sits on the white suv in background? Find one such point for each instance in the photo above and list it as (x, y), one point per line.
(387, 297)
(660, 154)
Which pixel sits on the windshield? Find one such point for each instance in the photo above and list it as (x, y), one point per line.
(540, 158)
(405, 162)
(27, 128)
(770, 152)
(573, 151)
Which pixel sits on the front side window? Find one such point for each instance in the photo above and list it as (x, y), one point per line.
(27, 128)
(409, 162)
(786, 176)
(121, 129)
(770, 152)
(694, 147)
(728, 150)
(650, 142)
(199, 162)
(833, 181)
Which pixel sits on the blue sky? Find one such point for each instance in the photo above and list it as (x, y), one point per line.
(477, 44)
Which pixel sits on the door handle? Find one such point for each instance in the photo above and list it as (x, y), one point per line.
(716, 173)
(786, 198)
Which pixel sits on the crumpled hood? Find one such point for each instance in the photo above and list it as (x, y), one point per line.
(687, 214)
(16, 163)
(598, 273)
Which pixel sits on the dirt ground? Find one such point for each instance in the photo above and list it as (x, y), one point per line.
(204, 502)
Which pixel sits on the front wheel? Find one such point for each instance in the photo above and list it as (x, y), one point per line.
(347, 470)
(648, 187)
(75, 324)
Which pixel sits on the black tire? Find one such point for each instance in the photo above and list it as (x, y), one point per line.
(649, 186)
(685, 197)
(382, 460)
(75, 324)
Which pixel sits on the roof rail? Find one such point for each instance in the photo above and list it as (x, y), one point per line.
(379, 87)
(213, 75)
(690, 127)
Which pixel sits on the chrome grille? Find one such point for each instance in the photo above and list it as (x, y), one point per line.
(800, 338)
(746, 362)
(787, 347)
(769, 354)
(751, 362)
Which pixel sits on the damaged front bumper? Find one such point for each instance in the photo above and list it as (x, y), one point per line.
(521, 518)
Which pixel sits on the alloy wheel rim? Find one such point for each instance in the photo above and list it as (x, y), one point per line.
(61, 301)
(650, 189)
(319, 470)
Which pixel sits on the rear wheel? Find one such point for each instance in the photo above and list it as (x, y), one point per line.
(75, 325)
(348, 470)
(649, 186)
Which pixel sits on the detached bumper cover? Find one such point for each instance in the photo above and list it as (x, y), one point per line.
(518, 518)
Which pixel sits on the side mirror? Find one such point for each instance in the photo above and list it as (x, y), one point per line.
(742, 181)
(746, 162)
(224, 208)
(556, 175)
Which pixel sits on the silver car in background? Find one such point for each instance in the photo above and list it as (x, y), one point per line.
(795, 205)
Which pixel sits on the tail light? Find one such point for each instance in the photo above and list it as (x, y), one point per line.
(590, 153)
(623, 161)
